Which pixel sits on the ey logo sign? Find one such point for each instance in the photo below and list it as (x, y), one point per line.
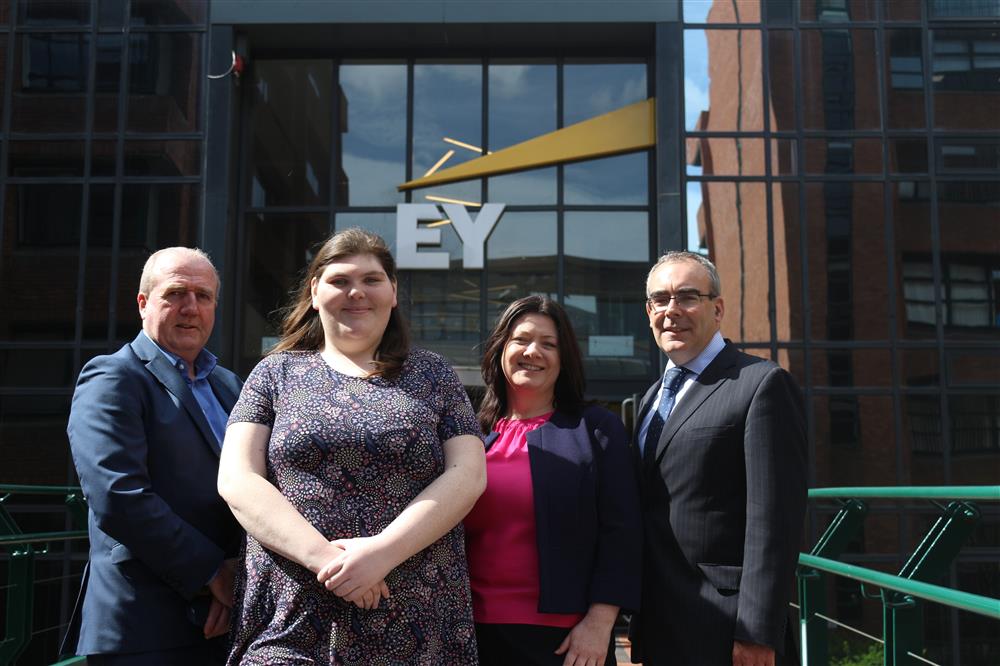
(625, 130)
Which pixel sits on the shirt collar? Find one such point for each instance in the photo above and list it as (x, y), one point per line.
(204, 363)
(697, 365)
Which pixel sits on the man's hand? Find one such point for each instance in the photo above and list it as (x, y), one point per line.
(751, 654)
(587, 643)
(217, 623)
(221, 586)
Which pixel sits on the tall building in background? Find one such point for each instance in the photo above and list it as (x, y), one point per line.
(838, 159)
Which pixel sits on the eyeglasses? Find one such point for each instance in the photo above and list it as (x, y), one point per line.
(686, 299)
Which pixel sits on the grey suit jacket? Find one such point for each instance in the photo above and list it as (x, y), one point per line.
(723, 499)
(148, 462)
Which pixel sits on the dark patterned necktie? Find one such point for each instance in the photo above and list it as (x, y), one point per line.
(673, 379)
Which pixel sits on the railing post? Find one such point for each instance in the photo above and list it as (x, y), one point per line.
(902, 615)
(812, 583)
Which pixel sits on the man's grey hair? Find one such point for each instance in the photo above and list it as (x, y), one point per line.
(147, 282)
(674, 256)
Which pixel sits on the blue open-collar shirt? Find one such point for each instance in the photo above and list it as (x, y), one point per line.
(204, 364)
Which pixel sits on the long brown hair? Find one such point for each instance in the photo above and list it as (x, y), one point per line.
(301, 329)
(570, 384)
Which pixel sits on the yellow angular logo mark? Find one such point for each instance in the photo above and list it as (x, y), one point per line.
(624, 130)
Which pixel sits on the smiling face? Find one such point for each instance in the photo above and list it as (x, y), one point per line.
(682, 333)
(354, 298)
(530, 359)
(178, 313)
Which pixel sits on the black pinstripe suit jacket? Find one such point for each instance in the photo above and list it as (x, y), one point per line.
(723, 501)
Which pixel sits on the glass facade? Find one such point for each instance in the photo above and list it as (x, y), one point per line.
(837, 159)
(851, 204)
(578, 232)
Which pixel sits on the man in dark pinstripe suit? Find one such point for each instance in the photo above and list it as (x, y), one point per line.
(721, 454)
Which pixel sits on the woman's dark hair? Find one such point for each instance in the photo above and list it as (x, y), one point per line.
(570, 383)
(301, 329)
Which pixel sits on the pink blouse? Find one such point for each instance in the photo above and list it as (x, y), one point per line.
(500, 535)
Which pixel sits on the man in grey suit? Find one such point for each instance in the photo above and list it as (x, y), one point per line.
(721, 454)
(145, 430)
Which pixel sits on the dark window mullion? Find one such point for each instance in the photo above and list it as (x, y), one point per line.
(116, 220)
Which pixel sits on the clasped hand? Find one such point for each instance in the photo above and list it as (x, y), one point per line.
(357, 572)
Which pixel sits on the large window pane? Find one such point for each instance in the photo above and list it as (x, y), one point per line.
(54, 13)
(973, 368)
(919, 367)
(522, 102)
(843, 156)
(98, 267)
(705, 11)
(519, 266)
(447, 115)
(41, 258)
(610, 181)
(851, 368)
(591, 90)
(722, 80)
(848, 428)
(905, 78)
(727, 157)
(732, 219)
(970, 260)
(839, 84)
(290, 125)
(50, 79)
(782, 57)
(914, 280)
(966, 73)
(975, 431)
(36, 368)
(837, 11)
(33, 431)
(606, 261)
(162, 158)
(167, 12)
(278, 248)
(163, 69)
(108, 84)
(847, 277)
(373, 133)
(444, 306)
(787, 229)
(34, 159)
(538, 186)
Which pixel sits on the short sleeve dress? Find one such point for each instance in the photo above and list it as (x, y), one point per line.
(350, 453)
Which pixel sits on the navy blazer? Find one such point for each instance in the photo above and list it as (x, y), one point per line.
(587, 520)
(148, 464)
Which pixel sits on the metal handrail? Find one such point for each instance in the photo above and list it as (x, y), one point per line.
(967, 601)
(38, 490)
(22, 550)
(900, 595)
(982, 493)
(41, 537)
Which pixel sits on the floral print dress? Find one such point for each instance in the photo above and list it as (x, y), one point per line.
(350, 454)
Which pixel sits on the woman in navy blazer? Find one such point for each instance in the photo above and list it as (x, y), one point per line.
(554, 543)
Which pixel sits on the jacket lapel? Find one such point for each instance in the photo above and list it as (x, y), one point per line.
(640, 414)
(158, 366)
(705, 385)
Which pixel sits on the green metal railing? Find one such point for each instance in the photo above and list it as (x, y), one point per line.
(900, 594)
(22, 549)
(902, 613)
